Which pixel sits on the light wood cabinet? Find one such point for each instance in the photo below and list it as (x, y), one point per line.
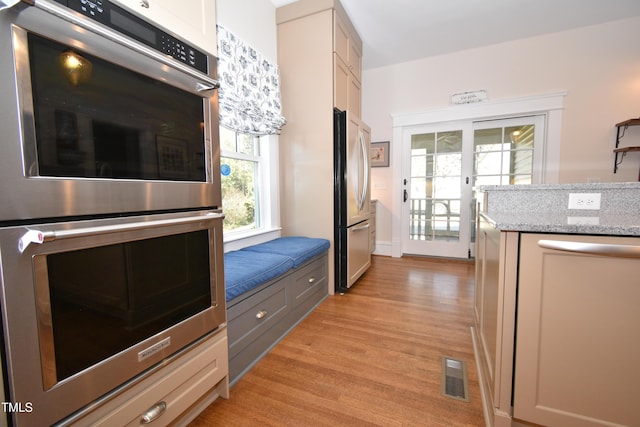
(341, 83)
(347, 66)
(555, 332)
(180, 390)
(578, 331)
(313, 58)
(354, 97)
(346, 89)
(192, 20)
(494, 314)
(372, 221)
(346, 46)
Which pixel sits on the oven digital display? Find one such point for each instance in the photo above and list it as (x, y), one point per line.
(126, 23)
(129, 25)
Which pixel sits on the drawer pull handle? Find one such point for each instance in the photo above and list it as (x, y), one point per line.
(261, 314)
(605, 249)
(312, 280)
(153, 413)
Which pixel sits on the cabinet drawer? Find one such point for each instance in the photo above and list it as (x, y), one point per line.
(178, 386)
(578, 320)
(309, 279)
(251, 317)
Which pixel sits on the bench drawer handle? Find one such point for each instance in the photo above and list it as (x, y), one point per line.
(312, 280)
(261, 314)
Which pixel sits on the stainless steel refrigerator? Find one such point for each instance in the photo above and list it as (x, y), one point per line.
(352, 199)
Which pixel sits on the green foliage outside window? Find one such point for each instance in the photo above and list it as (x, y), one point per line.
(239, 161)
(239, 195)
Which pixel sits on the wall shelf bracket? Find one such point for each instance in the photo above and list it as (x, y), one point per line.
(621, 152)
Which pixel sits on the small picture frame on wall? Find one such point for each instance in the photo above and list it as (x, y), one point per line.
(380, 154)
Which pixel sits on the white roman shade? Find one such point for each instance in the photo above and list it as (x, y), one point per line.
(249, 94)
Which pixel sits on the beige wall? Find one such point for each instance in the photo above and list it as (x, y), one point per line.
(598, 67)
(252, 20)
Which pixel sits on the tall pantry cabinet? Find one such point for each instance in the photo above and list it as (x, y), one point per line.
(319, 55)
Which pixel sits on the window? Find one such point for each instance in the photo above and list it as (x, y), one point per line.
(240, 167)
(250, 121)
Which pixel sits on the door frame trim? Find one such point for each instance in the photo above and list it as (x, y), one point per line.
(550, 104)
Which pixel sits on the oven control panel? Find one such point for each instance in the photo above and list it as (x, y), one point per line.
(130, 25)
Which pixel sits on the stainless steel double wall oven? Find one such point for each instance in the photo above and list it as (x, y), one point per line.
(110, 221)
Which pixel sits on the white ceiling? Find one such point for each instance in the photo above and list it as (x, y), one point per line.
(396, 31)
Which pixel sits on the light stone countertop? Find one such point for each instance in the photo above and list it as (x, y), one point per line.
(607, 224)
(544, 209)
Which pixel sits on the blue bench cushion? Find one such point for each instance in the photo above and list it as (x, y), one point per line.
(298, 249)
(244, 270)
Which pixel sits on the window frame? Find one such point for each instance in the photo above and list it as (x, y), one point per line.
(267, 197)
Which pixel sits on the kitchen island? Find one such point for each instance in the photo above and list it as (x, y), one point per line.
(554, 310)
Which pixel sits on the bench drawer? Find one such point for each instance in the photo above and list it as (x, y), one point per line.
(261, 320)
(252, 317)
(309, 280)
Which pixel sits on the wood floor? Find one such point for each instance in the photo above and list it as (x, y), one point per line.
(371, 357)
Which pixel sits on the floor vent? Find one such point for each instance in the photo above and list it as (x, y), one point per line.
(454, 379)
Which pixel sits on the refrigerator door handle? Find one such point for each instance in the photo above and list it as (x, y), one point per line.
(365, 168)
(360, 227)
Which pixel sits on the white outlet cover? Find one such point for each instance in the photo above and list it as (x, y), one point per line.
(584, 201)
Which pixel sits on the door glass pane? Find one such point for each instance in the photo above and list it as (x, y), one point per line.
(436, 186)
(450, 142)
(502, 156)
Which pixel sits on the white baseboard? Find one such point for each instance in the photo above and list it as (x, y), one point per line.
(382, 248)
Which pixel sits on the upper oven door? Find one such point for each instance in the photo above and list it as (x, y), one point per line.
(101, 123)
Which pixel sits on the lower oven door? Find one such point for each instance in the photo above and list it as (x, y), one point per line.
(91, 306)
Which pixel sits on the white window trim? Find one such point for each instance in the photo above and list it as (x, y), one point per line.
(269, 194)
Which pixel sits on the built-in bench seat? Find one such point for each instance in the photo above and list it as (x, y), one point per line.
(270, 288)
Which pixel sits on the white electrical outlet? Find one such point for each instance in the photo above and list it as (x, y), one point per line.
(586, 201)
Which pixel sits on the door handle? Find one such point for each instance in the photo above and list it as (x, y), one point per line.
(38, 236)
(405, 197)
(204, 87)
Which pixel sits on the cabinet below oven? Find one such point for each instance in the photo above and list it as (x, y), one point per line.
(177, 392)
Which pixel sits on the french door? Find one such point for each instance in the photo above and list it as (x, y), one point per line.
(443, 163)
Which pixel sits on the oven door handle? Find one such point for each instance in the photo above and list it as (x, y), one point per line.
(39, 236)
(205, 87)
